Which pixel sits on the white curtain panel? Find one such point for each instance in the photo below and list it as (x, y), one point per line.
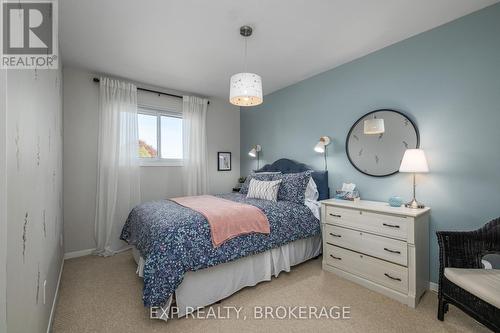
(195, 170)
(118, 182)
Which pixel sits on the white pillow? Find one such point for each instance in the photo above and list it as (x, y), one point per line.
(312, 190)
(267, 172)
(267, 190)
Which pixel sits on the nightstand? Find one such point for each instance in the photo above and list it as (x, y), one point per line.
(383, 248)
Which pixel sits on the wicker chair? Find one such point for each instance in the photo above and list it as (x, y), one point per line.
(465, 250)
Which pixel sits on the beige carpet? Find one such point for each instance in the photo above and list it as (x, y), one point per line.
(104, 295)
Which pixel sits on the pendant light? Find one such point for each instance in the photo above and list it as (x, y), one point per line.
(374, 126)
(245, 88)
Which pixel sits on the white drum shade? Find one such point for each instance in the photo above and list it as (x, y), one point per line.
(374, 126)
(245, 89)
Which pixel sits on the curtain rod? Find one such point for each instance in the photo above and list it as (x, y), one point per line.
(152, 91)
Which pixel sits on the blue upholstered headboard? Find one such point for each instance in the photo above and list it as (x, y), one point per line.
(285, 165)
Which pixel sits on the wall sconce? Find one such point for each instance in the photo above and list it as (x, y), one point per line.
(321, 147)
(255, 153)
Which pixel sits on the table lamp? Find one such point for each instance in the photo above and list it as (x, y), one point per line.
(414, 161)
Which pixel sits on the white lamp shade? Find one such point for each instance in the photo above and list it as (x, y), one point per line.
(322, 143)
(374, 126)
(414, 160)
(319, 148)
(245, 89)
(255, 150)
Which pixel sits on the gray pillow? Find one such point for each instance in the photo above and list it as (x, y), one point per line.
(491, 261)
(264, 190)
(293, 186)
(262, 176)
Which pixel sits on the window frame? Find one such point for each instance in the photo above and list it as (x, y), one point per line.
(158, 161)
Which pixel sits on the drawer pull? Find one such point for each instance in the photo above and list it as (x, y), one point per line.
(391, 277)
(392, 251)
(335, 215)
(390, 225)
(334, 257)
(334, 235)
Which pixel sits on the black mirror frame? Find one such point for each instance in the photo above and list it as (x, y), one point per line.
(357, 122)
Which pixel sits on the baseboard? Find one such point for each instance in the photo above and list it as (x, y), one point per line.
(76, 254)
(54, 302)
(433, 286)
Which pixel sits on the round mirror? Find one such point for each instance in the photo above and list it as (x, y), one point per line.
(380, 154)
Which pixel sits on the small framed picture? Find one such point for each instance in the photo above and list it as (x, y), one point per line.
(224, 161)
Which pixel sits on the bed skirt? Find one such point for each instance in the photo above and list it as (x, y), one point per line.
(210, 285)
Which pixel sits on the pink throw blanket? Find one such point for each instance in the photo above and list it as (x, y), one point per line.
(227, 219)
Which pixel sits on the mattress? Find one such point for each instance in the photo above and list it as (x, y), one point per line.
(207, 286)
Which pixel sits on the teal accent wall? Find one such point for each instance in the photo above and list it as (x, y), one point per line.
(446, 79)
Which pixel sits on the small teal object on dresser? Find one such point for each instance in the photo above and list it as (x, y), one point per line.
(395, 201)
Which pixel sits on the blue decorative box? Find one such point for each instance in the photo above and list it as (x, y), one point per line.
(395, 201)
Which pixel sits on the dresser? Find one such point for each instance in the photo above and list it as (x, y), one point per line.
(383, 248)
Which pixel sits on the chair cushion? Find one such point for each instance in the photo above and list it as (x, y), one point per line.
(482, 283)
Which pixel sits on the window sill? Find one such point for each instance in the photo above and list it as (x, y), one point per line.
(162, 163)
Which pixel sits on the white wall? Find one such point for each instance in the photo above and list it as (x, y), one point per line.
(80, 123)
(223, 132)
(34, 196)
(3, 200)
(80, 156)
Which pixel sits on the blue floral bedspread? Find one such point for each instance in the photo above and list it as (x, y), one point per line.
(174, 239)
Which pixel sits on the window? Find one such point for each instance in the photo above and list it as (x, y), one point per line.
(160, 137)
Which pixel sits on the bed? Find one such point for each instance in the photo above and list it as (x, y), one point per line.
(174, 255)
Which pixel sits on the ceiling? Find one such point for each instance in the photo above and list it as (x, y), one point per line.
(195, 46)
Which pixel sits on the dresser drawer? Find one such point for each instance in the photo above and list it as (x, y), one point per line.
(376, 246)
(388, 225)
(382, 272)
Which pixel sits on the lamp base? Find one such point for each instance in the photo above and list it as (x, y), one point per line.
(414, 204)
